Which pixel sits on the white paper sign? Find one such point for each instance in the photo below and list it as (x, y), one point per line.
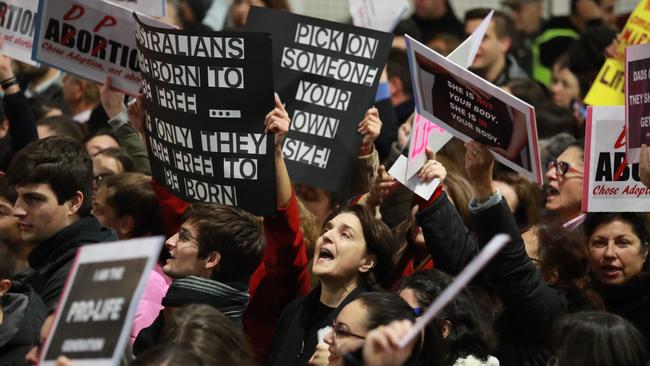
(611, 183)
(381, 15)
(17, 26)
(154, 8)
(98, 303)
(91, 39)
(472, 108)
(415, 184)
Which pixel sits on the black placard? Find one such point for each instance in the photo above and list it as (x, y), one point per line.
(206, 95)
(95, 310)
(327, 73)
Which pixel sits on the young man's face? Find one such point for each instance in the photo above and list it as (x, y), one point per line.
(39, 214)
(184, 258)
(491, 50)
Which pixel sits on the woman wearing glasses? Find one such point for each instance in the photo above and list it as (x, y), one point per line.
(564, 190)
(356, 319)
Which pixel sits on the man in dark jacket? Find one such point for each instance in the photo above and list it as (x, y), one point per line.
(53, 179)
(212, 258)
(21, 314)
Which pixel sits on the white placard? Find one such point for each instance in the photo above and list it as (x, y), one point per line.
(381, 15)
(471, 108)
(17, 26)
(611, 183)
(91, 39)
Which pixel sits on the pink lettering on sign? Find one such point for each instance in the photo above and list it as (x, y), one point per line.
(422, 127)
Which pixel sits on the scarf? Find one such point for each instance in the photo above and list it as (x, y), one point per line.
(231, 299)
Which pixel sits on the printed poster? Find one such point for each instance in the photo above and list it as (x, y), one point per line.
(91, 39)
(17, 26)
(637, 99)
(327, 74)
(93, 320)
(608, 88)
(612, 183)
(471, 108)
(206, 96)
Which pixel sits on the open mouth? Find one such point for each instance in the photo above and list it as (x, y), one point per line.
(610, 271)
(551, 191)
(324, 254)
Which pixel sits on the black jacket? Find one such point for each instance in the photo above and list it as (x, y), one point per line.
(293, 343)
(530, 305)
(24, 313)
(631, 301)
(52, 259)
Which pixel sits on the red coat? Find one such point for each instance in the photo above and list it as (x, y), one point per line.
(282, 276)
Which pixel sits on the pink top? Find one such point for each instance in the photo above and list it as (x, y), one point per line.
(150, 304)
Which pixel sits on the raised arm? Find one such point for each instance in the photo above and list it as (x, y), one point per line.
(22, 124)
(123, 124)
(530, 305)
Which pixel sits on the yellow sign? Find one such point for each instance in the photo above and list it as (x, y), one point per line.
(609, 87)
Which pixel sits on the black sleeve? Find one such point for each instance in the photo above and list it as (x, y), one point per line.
(22, 124)
(530, 305)
(389, 128)
(449, 241)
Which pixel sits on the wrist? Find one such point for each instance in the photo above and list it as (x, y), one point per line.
(483, 192)
(366, 149)
(114, 112)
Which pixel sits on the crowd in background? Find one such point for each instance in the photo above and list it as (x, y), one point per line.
(230, 288)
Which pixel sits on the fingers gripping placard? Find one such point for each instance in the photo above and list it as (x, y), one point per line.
(206, 98)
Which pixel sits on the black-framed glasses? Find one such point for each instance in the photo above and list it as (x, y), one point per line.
(340, 332)
(185, 236)
(561, 167)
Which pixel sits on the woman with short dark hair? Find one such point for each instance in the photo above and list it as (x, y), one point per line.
(618, 246)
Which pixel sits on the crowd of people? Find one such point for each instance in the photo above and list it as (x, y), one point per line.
(338, 278)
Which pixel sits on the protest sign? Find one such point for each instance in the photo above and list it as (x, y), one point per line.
(471, 108)
(381, 15)
(17, 25)
(608, 88)
(612, 184)
(206, 95)
(91, 39)
(93, 318)
(154, 8)
(637, 100)
(327, 73)
(423, 130)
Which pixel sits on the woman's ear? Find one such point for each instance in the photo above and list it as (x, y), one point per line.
(445, 328)
(367, 263)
